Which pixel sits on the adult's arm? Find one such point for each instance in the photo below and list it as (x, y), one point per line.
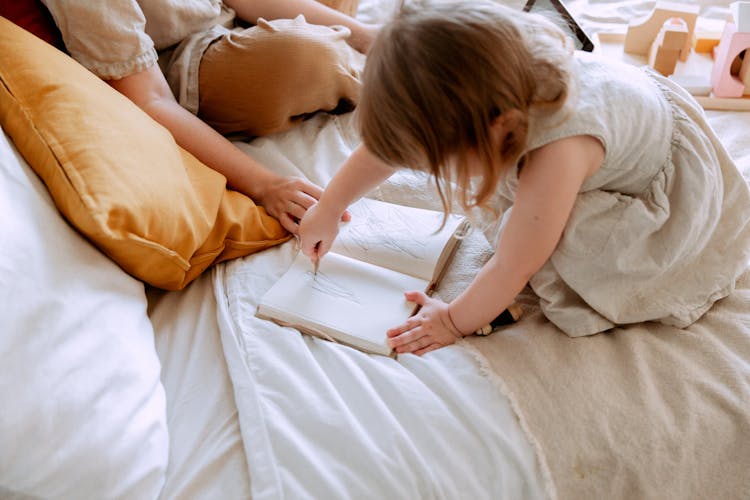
(285, 198)
(314, 12)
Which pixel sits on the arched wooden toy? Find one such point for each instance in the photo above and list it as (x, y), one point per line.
(665, 50)
(641, 33)
(723, 82)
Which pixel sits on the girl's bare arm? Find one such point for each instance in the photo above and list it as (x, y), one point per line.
(361, 173)
(547, 190)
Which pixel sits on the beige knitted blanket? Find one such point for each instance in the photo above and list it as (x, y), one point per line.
(647, 411)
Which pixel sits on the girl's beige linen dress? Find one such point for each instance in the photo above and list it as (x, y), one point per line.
(662, 230)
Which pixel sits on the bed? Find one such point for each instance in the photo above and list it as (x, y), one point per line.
(112, 389)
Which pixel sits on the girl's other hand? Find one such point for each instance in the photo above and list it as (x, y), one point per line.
(427, 330)
(318, 230)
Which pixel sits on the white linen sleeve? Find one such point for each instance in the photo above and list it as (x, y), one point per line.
(108, 38)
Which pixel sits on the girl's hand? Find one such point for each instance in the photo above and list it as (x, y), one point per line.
(427, 330)
(317, 231)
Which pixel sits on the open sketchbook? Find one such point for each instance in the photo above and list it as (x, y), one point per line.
(358, 292)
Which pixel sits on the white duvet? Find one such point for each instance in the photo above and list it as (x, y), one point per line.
(320, 420)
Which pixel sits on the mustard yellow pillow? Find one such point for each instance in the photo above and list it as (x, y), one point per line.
(117, 175)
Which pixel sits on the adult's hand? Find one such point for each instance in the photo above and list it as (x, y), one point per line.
(288, 198)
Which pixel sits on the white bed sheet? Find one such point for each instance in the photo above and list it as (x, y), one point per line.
(206, 455)
(321, 420)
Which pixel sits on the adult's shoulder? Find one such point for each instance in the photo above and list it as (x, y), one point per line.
(111, 41)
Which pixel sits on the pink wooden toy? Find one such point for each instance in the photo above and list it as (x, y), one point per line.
(723, 82)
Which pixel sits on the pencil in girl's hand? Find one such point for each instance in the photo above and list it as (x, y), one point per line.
(316, 259)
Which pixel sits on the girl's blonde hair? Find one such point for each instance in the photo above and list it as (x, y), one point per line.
(438, 76)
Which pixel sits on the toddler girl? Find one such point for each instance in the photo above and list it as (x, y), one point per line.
(625, 206)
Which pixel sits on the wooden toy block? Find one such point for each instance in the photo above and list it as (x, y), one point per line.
(723, 82)
(705, 42)
(741, 15)
(664, 60)
(694, 74)
(665, 50)
(641, 33)
(673, 34)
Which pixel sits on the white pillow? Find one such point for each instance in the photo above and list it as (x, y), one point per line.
(82, 408)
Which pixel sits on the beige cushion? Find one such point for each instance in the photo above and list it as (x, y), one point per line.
(117, 175)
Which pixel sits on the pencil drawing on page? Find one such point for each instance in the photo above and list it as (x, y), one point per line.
(322, 283)
(392, 230)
